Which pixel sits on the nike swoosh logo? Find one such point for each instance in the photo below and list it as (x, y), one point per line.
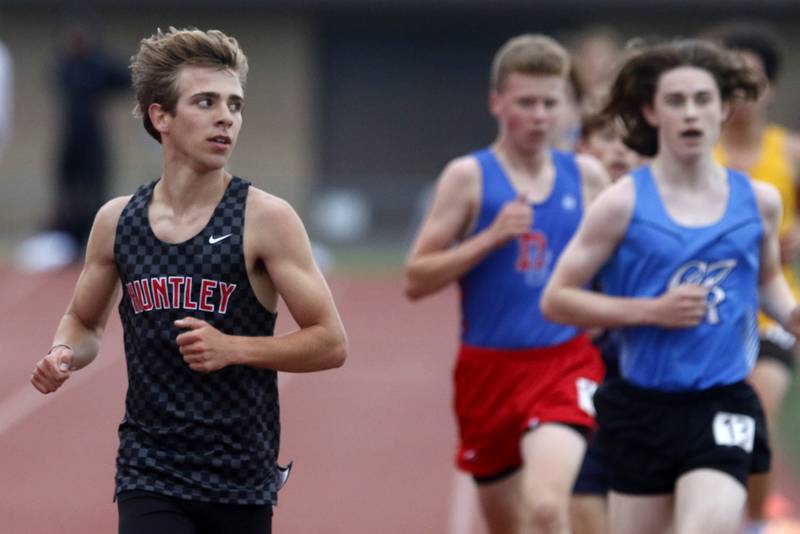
(212, 240)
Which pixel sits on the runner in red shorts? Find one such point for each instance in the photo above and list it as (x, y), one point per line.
(499, 220)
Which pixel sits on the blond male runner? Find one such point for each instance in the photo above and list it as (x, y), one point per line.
(202, 258)
(499, 220)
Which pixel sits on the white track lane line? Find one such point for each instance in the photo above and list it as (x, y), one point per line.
(26, 399)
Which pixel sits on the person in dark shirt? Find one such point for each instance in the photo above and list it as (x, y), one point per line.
(85, 76)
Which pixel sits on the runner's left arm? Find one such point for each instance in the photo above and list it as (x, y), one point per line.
(775, 295)
(284, 249)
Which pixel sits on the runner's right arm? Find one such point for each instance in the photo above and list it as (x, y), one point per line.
(437, 257)
(566, 301)
(77, 338)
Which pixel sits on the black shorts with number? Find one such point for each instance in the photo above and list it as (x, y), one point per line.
(652, 438)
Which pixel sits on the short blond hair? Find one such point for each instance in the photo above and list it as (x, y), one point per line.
(534, 54)
(156, 66)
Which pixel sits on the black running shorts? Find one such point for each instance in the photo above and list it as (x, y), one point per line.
(652, 438)
(143, 512)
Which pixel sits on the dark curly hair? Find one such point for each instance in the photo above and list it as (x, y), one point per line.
(751, 36)
(637, 80)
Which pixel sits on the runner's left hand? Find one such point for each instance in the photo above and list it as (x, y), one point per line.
(793, 322)
(202, 346)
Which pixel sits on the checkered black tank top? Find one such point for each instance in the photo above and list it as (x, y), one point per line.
(206, 437)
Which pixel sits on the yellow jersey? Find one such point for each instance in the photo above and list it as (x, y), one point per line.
(774, 167)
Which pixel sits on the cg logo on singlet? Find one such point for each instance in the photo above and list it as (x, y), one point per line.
(708, 275)
(534, 258)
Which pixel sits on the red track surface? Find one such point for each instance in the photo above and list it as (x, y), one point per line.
(372, 442)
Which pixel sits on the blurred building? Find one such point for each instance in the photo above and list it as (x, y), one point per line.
(366, 95)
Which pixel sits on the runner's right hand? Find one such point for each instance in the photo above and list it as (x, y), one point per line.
(514, 220)
(53, 370)
(681, 307)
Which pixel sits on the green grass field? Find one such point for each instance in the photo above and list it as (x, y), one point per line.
(375, 258)
(789, 425)
(789, 422)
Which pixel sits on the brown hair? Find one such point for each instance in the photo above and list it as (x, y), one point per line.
(533, 54)
(156, 66)
(636, 83)
(594, 121)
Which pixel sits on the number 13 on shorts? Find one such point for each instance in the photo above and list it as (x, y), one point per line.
(734, 430)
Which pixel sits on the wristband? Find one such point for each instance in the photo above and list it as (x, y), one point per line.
(59, 345)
